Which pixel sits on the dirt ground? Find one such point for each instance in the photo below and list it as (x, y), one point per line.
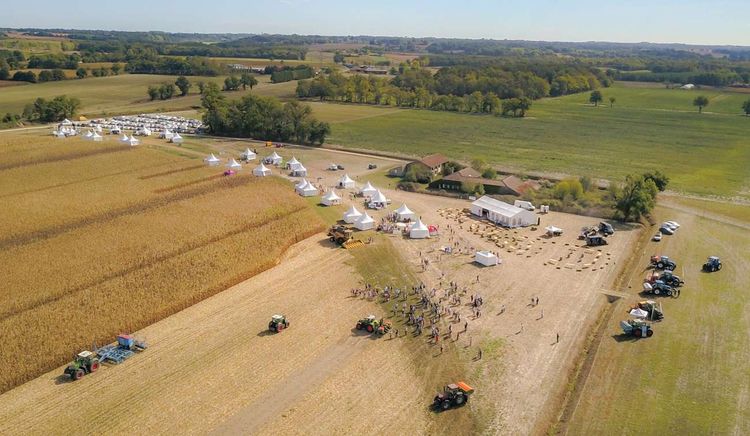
(213, 368)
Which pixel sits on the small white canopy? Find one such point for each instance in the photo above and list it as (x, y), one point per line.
(261, 171)
(352, 215)
(233, 164)
(88, 135)
(330, 198)
(346, 182)
(96, 137)
(212, 160)
(379, 198)
(368, 190)
(403, 213)
(364, 222)
(273, 159)
(124, 138)
(486, 258)
(248, 155)
(308, 190)
(176, 139)
(639, 313)
(133, 141)
(66, 122)
(299, 170)
(292, 162)
(419, 230)
(98, 128)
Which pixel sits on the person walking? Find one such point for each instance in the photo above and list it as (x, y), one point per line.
(557, 339)
(480, 354)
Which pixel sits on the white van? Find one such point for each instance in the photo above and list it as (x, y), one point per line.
(524, 205)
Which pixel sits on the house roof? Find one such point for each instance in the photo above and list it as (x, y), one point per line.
(434, 160)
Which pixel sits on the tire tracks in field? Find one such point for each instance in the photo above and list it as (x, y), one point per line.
(254, 416)
(170, 172)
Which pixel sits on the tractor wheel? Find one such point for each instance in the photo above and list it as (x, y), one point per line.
(279, 327)
(460, 400)
(669, 293)
(359, 326)
(657, 291)
(94, 366)
(78, 374)
(649, 333)
(660, 265)
(638, 333)
(332, 239)
(445, 405)
(370, 328)
(286, 324)
(718, 267)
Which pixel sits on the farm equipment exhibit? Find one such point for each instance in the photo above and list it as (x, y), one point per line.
(453, 395)
(658, 287)
(713, 264)
(637, 327)
(373, 325)
(87, 362)
(647, 309)
(663, 262)
(278, 323)
(667, 277)
(340, 234)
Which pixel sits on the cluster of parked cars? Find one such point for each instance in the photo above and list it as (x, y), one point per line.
(666, 228)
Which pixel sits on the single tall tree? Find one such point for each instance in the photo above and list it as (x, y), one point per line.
(746, 107)
(248, 80)
(596, 97)
(183, 84)
(612, 101)
(700, 101)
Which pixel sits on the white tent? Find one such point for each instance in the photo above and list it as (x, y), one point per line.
(292, 164)
(166, 134)
(124, 138)
(96, 137)
(299, 171)
(308, 190)
(144, 131)
(98, 129)
(88, 135)
(248, 155)
(273, 159)
(502, 213)
(419, 230)
(379, 198)
(486, 258)
(176, 139)
(66, 122)
(639, 313)
(352, 215)
(330, 198)
(368, 190)
(234, 165)
(364, 222)
(133, 141)
(212, 160)
(346, 182)
(298, 186)
(261, 171)
(403, 213)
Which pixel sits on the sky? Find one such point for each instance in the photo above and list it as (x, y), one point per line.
(681, 21)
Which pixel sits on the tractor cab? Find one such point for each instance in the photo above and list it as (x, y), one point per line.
(713, 263)
(278, 323)
(85, 362)
(453, 395)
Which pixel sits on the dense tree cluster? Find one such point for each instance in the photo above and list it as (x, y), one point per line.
(11, 60)
(48, 111)
(287, 74)
(261, 117)
(150, 63)
(165, 91)
(55, 60)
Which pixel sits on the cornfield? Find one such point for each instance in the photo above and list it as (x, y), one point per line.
(161, 243)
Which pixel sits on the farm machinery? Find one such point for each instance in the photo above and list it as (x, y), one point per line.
(667, 277)
(374, 325)
(637, 327)
(647, 309)
(340, 234)
(87, 362)
(658, 287)
(278, 323)
(453, 395)
(713, 264)
(663, 262)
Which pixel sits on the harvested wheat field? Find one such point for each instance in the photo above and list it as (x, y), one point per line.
(95, 245)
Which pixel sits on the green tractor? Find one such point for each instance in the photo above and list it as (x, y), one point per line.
(85, 362)
(373, 325)
(278, 323)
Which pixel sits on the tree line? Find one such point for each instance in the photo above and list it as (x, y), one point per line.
(263, 118)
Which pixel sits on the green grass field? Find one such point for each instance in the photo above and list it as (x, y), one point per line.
(648, 129)
(126, 93)
(692, 376)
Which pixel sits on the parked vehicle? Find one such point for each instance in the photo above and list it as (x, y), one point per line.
(606, 228)
(666, 230)
(453, 395)
(713, 264)
(657, 237)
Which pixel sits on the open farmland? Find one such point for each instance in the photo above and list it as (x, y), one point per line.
(648, 129)
(95, 244)
(126, 93)
(692, 376)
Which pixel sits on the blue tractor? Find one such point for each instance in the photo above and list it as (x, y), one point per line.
(713, 264)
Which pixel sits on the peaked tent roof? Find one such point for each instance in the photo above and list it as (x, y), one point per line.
(346, 179)
(331, 196)
(293, 161)
(212, 158)
(368, 187)
(274, 155)
(404, 210)
(234, 164)
(365, 218)
(261, 167)
(418, 225)
(248, 153)
(379, 197)
(353, 212)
